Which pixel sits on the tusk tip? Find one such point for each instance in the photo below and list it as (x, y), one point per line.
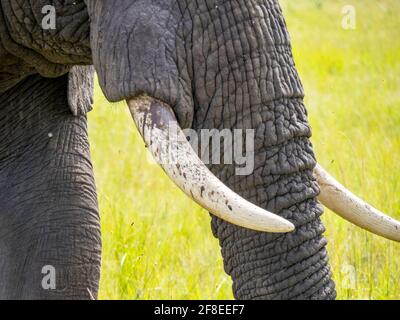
(283, 226)
(352, 208)
(289, 227)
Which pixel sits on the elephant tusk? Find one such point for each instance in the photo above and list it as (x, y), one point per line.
(155, 121)
(350, 207)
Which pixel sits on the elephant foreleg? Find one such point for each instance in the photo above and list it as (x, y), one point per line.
(50, 242)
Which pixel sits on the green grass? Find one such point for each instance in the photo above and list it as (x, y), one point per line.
(157, 244)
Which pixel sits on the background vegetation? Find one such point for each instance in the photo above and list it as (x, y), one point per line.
(158, 244)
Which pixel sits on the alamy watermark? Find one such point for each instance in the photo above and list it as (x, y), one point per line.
(349, 277)
(49, 18)
(349, 19)
(49, 279)
(212, 146)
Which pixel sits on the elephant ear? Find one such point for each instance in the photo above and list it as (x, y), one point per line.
(80, 89)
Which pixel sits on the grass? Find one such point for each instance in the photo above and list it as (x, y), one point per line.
(158, 244)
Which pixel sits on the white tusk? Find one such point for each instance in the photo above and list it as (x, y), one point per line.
(341, 201)
(156, 122)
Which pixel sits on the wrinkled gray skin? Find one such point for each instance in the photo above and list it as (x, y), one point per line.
(220, 64)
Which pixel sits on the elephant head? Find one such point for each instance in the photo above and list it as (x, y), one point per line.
(207, 64)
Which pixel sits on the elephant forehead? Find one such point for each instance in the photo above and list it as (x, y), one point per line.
(244, 67)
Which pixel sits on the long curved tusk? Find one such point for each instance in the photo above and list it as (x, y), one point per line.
(160, 130)
(341, 201)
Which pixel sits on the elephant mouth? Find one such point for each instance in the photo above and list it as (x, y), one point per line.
(154, 118)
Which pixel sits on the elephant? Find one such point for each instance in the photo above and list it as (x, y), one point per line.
(203, 64)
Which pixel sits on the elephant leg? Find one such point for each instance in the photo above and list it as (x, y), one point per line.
(50, 242)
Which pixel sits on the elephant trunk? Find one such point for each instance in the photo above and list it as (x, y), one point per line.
(275, 266)
(251, 83)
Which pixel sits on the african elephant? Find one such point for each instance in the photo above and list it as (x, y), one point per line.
(201, 64)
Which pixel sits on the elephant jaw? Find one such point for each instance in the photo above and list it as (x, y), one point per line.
(154, 120)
